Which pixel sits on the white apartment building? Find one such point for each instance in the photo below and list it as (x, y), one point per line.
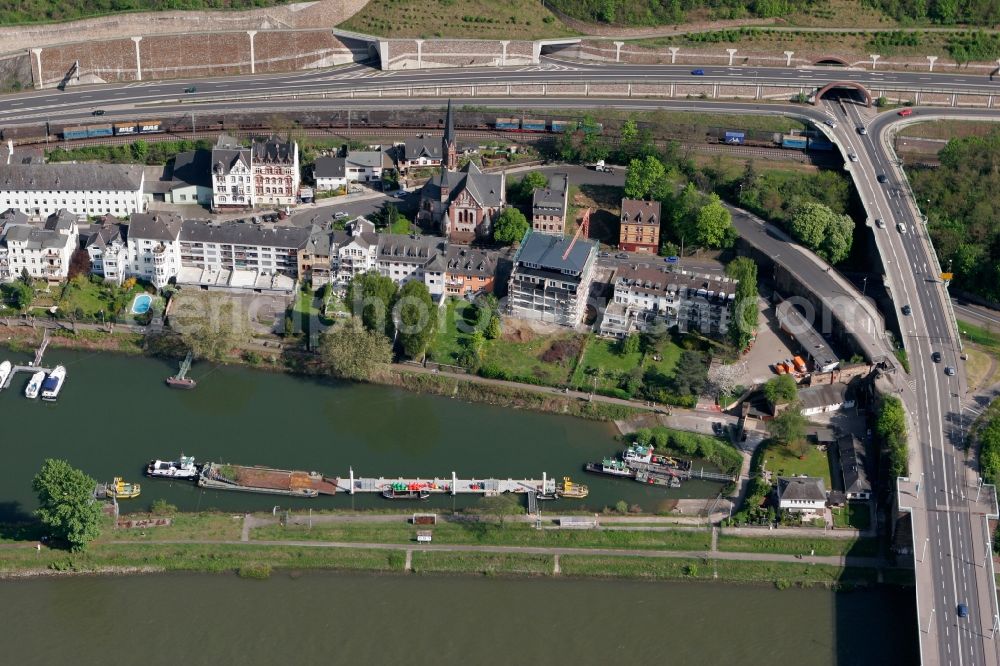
(154, 252)
(405, 258)
(43, 251)
(39, 190)
(357, 167)
(354, 251)
(232, 181)
(108, 250)
(237, 246)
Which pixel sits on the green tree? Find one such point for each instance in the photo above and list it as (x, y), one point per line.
(510, 226)
(714, 225)
(207, 325)
(66, 503)
(630, 132)
(370, 296)
(780, 390)
(519, 193)
(351, 351)
(499, 507)
(690, 374)
(630, 345)
(745, 312)
(643, 175)
(823, 231)
(493, 329)
(140, 151)
(789, 427)
(415, 317)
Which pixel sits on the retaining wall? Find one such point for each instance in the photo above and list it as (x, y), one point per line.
(426, 54)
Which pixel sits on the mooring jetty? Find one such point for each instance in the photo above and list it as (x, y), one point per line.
(449, 486)
(220, 476)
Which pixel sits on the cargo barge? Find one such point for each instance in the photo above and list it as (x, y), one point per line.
(219, 476)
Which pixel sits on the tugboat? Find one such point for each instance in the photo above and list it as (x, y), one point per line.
(573, 490)
(173, 469)
(405, 491)
(53, 384)
(5, 369)
(121, 489)
(638, 453)
(34, 385)
(611, 467)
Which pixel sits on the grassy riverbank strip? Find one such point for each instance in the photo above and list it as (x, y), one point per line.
(488, 564)
(862, 547)
(487, 534)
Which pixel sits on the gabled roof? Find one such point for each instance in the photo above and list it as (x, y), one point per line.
(193, 167)
(546, 252)
(802, 488)
(852, 465)
(464, 260)
(61, 221)
(273, 150)
(486, 188)
(330, 167)
(105, 234)
(75, 177)
(13, 216)
(155, 226)
(551, 200)
(422, 147)
(227, 153)
(636, 211)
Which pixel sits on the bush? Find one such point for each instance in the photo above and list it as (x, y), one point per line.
(161, 507)
(255, 571)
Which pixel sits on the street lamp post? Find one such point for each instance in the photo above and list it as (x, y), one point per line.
(929, 620)
(923, 553)
(864, 286)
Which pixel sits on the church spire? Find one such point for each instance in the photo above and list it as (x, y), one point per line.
(449, 158)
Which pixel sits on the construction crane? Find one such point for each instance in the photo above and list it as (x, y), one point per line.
(584, 228)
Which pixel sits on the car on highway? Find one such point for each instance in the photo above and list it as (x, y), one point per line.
(339, 215)
(852, 157)
(400, 193)
(900, 227)
(882, 178)
(936, 357)
(880, 223)
(97, 112)
(697, 72)
(963, 610)
(906, 112)
(622, 255)
(831, 124)
(862, 130)
(603, 255)
(671, 259)
(907, 310)
(191, 89)
(717, 427)
(950, 371)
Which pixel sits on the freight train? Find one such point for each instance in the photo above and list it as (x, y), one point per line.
(111, 129)
(809, 140)
(540, 125)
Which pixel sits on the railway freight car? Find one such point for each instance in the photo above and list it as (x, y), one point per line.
(508, 124)
(794, 141)
(563, 125)
(533, 125)
(735, 137)
(125, 129)
(150, 126)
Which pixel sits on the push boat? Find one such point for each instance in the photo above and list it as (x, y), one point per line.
(121, 489)
(611, 467)
(405, 491)
(34, 385)
(5, 369)
(53, 384)
(572, 490)
(173, 469)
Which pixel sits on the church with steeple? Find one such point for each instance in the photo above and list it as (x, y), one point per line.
(462, 203)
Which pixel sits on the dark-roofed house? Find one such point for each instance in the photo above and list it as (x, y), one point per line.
(548, 206)
(640, 226)
(651, 299)
(44, 251)
(418, 152)
(854, 474)
(330, 173)
(191, 178)
(275, 167)
(153, 247)
(107, 247)
(551, 278)
(811, 343)
(822, 398)
(232, 181)
(801, 494)
(39, 190)
(355, 251)
(470, 271)
(403, 258)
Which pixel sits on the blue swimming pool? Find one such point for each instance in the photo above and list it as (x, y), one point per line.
(141, 304)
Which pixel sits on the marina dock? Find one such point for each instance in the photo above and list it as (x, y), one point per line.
(35, 365)
(449, 486)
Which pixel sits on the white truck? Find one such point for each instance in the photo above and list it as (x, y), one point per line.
(600, 166)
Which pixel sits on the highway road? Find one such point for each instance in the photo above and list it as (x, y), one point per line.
(951, 567)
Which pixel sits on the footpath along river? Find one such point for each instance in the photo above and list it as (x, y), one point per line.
(356, 618)
(115, 414)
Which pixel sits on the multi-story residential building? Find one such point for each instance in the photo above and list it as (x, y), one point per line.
(651, 299)
(551, 278)
(470, 271)
(107, 246)
(43, 252)
(464, 203)
(640, 226)
(232, 175)
(354, 251)
(154, 252)
(39, 190)
(315, 256)
(353, 167)
(238, 254)
(804, 495)
(422, 151)
(548, 206)
(404, 258)
(275, 167)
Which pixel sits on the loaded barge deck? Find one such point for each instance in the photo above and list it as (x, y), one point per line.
(218, 476)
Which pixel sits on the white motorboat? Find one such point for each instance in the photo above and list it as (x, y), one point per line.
(173, 469)
(5, 369)
(53, 384)
(34, 385)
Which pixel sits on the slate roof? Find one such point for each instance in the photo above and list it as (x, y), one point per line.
(66, 177)
(330, 167)
(649, 281)
(13, 216)
(824, 395)
(551, 200)
(360, 231)
(462, 260)
(852, 465)
(485, 188)
(104, 234)
(244, 233)
(802, 488)
(34, 238)
(545, 252)
(227, 153)
(428, 147)
(409, 249)
(155, 226)
(636, 211)
(60, 221)
(192, 168)
(273, 151)
(369, 159)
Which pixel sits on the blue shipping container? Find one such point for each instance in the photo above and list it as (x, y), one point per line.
(533, 125)
(562, 125)
(75, 133)
(799, 142)
(507, 124)
(99, 130)
(820, 144)
(736, 137)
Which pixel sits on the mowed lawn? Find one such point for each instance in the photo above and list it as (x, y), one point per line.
(783, 462)
(604, 354)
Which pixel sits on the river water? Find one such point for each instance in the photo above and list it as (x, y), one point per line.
(115, 414)
(351, 618)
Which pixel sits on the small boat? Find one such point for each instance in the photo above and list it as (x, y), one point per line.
(638, 453)
(405, 491)
(573, 490)
(181, 382)
(121, 489)
(5, 369)
(544, 497)
(34, 385)
(611, 467)
(53, 384)
(173, 469)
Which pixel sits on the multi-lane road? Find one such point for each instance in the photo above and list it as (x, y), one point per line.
(951, 561)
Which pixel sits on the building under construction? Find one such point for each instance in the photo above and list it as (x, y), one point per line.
(551, 278)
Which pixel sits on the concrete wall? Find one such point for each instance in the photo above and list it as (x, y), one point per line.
(425, 54)
(15, 72)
